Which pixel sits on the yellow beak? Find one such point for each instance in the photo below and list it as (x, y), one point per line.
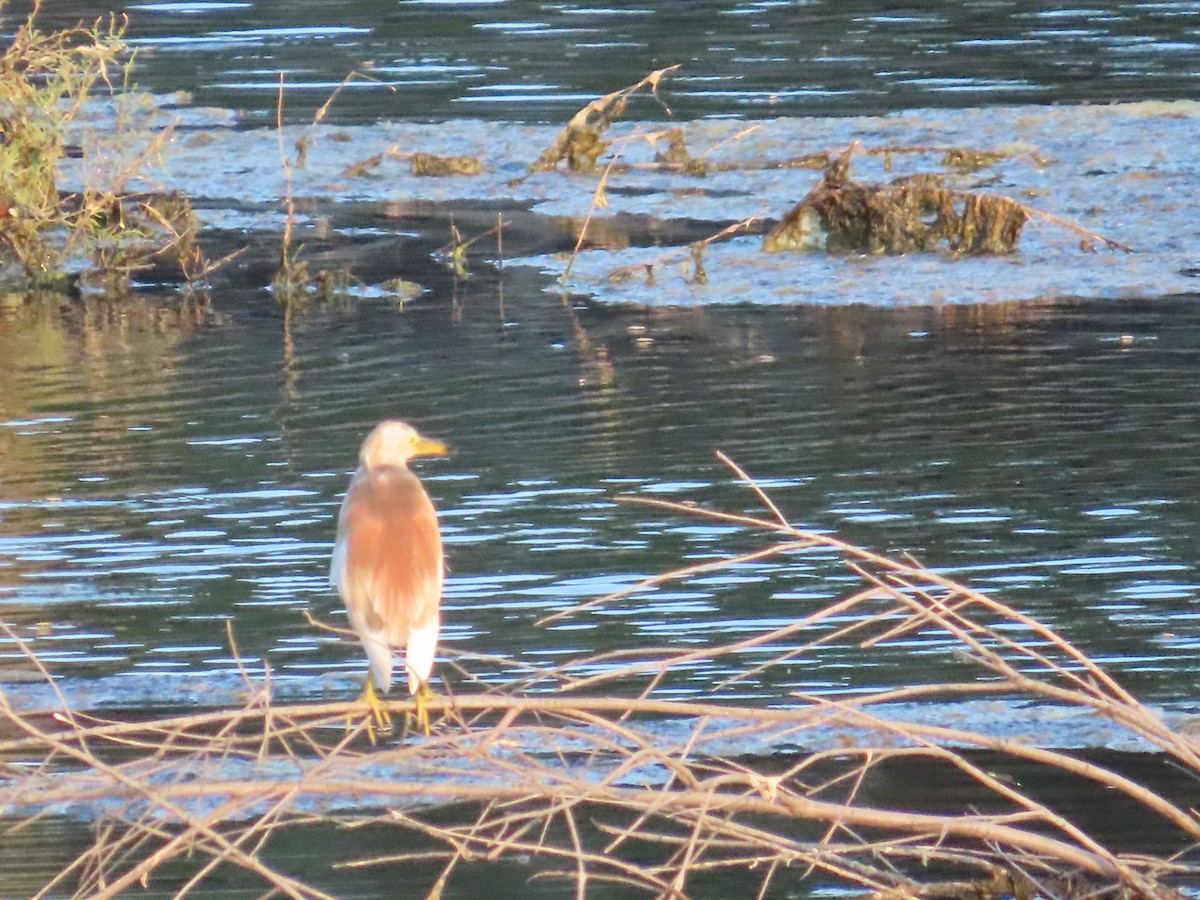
(426, 447)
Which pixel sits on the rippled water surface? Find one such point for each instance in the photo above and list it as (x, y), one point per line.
(167, 473)
(170, 469)
(538, 61)
(173, 471)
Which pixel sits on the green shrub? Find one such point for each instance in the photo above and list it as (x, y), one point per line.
(101, 232)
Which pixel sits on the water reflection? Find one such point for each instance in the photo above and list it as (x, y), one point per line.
(537, 62)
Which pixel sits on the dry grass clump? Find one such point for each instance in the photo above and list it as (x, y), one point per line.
(596, 782)
(581, 143)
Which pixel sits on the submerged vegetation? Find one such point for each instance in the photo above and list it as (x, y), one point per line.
(593, 771)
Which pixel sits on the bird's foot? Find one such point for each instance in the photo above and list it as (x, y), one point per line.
(420, 718)
(378, 717)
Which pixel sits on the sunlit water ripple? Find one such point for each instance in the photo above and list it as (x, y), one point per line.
(535, 61)
(156, 493)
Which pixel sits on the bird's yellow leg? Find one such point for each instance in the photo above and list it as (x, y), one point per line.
(423, 696)
(377, 707)
(377, 714)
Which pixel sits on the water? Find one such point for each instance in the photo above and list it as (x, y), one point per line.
(536, 61)
(169, 471)
(1026, 449)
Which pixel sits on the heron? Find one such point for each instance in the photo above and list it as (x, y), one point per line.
(388, 564)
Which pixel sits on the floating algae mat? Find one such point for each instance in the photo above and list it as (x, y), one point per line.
(1057, 193)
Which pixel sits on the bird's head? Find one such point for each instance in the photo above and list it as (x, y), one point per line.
(394, 443)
